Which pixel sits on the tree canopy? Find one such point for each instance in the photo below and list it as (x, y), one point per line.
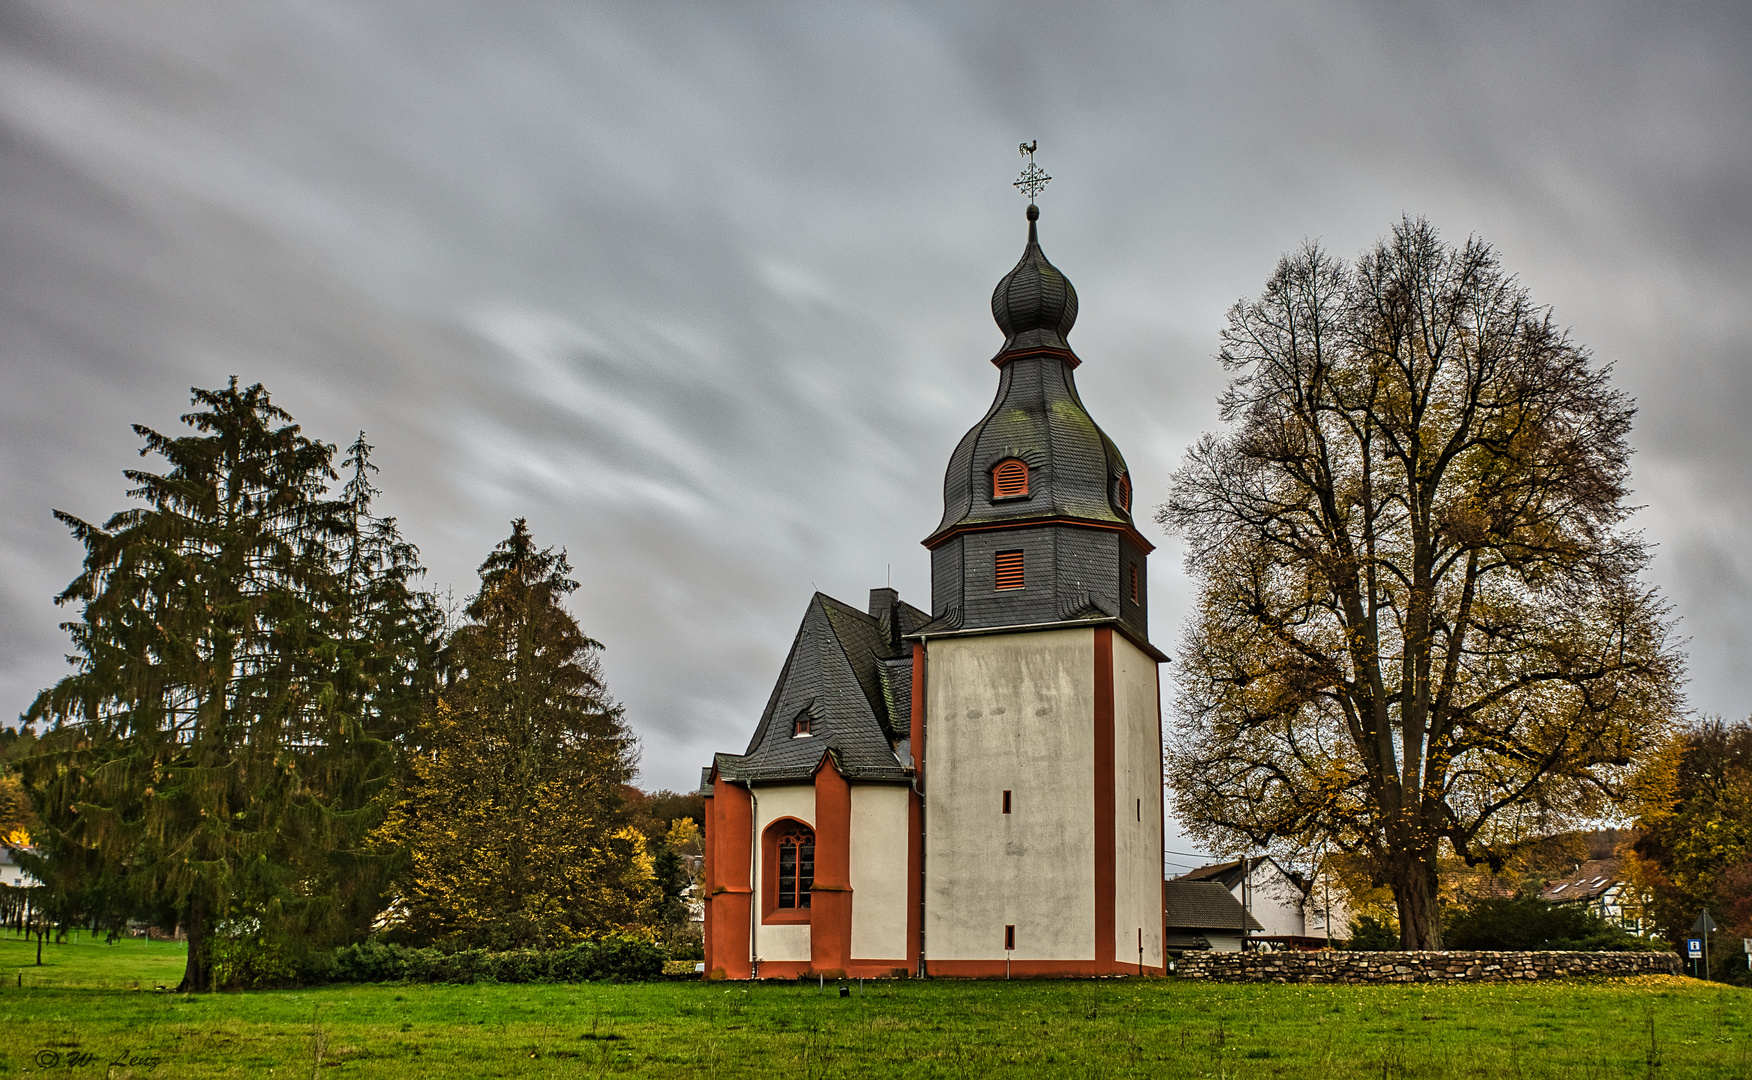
(514, 816)
(1421, 625)
(1694, 845)
(244, 646)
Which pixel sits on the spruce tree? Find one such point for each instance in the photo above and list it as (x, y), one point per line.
(387, 634)
(212, 749)
(514, 816)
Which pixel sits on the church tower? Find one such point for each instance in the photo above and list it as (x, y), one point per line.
(976, 790)
(1038, 727)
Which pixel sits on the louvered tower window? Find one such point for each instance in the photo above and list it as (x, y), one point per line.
(1131, 573)
(1010, 479)
(1122, 492)
(1009, 570)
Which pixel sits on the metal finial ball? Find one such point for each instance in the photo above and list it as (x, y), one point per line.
(1033, 212)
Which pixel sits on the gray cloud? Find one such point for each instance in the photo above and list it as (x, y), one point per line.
(703, 292)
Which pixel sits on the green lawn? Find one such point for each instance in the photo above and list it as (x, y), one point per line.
(1594, 1030)
(87, 963)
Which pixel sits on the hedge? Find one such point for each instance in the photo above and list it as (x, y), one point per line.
(615, 958)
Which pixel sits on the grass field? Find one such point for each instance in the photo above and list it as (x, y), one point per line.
(77, 1015)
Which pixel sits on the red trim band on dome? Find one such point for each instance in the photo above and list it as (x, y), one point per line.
(1066, 355)
(936, 540)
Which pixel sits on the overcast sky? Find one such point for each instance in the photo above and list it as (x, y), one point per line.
(702, 290)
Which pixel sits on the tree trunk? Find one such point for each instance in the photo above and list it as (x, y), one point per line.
(196, 976)
(1414, 891)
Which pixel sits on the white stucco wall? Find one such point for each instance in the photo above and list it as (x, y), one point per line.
(1274, 901)
(879, 878)
(1016, 712)
(787, 941)
(1137, 794)
(1223, 942)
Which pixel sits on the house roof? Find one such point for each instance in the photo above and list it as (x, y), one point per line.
(1203, 905)
(1229, 874)
(1590, 880)
(849, 672)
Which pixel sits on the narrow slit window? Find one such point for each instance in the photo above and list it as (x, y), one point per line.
(1009, 939)
(1010, 479)
(1140, 809)
(1006, 802)
(1009, 570)
(1122, 492)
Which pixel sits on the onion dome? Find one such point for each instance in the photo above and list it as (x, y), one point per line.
(1034, 304)
(1037, 523)
(1072, 469)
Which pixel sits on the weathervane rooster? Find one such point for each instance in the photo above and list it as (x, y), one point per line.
(1034, 178)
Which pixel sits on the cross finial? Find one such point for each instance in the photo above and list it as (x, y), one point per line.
(1033, 179)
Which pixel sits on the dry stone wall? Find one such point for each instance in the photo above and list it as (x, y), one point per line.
(1417, 967)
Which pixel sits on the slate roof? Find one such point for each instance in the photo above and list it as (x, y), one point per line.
(1590, 881)
(1203, 905)
(1037, 416)
(851, 673)
(1035, 305)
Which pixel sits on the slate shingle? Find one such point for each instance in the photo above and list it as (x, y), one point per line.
(848, 670)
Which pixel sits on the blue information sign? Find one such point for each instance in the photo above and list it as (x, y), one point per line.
(1694, 948)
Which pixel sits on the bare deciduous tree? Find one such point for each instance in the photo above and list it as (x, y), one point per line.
(1420, 623)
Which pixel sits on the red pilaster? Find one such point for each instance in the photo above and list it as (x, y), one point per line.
(729, 827)
(830, 906)
(1106, 851)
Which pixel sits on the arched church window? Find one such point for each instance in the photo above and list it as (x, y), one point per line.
(1122, 492)
(796, 866)
(1010, 479)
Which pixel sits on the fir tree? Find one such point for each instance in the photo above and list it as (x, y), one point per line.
(217, 742)
(514, 816)
(387, 636)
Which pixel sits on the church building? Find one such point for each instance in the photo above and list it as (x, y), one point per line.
(974, 791)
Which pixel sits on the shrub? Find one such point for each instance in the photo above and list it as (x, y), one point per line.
(242, 954)
(1369, 934)
(368, 962)
(617, 958)
(1527, 923)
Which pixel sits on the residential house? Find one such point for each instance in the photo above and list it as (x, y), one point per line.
(1602, 886)
(12, 875)
(1293, 910)
(1204, 915)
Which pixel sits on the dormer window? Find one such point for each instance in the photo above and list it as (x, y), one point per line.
(1010, 479)
(803, 725)
(1122, 492)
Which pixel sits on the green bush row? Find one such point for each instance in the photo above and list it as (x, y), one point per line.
(620, 959)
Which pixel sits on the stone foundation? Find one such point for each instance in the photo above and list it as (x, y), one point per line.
(1418, 967)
